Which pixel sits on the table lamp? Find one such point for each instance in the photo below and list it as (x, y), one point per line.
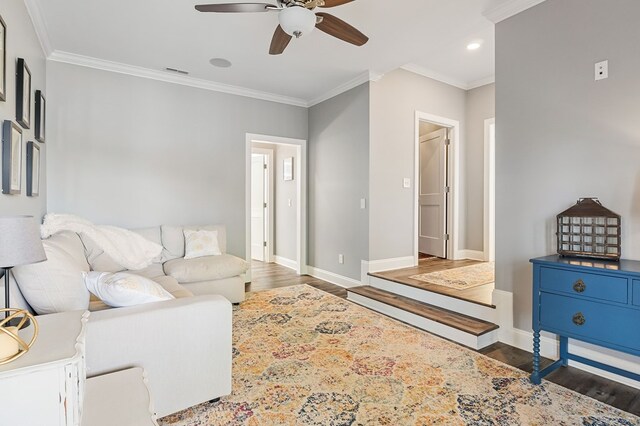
(20, 244)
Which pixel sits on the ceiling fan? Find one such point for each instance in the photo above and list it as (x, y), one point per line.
(297, 18)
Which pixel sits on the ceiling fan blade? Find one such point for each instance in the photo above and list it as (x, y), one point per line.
(279, 42)
(340, 29)
(236, 7)
(334, 3)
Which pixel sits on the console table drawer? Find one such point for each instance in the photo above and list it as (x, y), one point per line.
(636, 292)
(614, 289)
(592, 320)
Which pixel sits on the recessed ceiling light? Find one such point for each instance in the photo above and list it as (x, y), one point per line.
(474, 46)
(220, 62)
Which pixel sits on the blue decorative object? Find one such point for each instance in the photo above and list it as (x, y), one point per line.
(593, 301)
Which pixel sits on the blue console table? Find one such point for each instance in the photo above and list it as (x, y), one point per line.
(594, 301)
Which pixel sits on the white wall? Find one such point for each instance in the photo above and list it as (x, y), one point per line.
(560, 135)
(285, 215)
(22, 42)
(136, 152)
(394, 101)
(480, 106)
(338, 179)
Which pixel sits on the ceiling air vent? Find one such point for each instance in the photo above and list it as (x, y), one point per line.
(177, 71)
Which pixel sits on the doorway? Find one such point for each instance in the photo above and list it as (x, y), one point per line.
(275, 200)
(435, 195)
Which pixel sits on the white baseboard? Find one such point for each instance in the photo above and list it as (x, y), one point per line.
(287, 263)
(333, 278)
(385, 265)
(472, 254)
(549, 348)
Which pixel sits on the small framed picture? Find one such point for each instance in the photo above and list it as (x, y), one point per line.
(41, 116)
(3, 60)
(23, 94)
(33, 169)
(11, 158)
(287, 170)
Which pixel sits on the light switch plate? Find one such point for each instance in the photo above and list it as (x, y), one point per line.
(363, 203)
(406, 183)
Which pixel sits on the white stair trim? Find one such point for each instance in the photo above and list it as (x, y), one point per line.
(464, 307)
(451, 333)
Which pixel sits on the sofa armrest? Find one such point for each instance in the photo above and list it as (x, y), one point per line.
(184, 345)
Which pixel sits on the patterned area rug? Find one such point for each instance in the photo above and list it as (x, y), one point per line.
(305, 357)
(461, 278)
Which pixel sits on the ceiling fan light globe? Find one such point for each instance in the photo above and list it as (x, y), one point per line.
(297, 21)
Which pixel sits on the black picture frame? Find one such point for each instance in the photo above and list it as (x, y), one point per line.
(40, 117)
(23, 94)
(33, 169)
(11, 158)
(3, 58)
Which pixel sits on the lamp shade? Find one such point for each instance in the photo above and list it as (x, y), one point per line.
(297, 21)
(20, 242)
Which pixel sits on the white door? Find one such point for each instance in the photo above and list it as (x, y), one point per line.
(433, 191)
(258, 163)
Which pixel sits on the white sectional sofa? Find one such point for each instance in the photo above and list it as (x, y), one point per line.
(183, 344)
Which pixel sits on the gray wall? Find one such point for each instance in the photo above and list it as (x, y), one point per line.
(480, 106)
(338, 179)
(22, 42)
(559, 134)
(285, 216)
(394, 101)
(136, 152)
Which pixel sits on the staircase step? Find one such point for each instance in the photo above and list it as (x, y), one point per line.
(473, 326)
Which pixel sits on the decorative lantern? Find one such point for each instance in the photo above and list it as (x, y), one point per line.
(588, 229)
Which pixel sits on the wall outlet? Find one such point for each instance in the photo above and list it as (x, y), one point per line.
(341, 259)
(602, 70)
(406, 183)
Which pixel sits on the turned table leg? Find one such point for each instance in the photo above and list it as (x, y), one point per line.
(535, 375)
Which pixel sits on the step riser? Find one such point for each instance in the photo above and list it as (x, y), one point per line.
(467, 308)
(466, 339)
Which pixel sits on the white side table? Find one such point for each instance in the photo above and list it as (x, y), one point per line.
(45, 387)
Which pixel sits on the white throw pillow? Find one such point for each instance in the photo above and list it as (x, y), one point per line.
(201, 243)
(123, 289)
(56, 284)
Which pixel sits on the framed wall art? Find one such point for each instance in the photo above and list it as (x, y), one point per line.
(40, 116)
(33, 169)
(23, 94)
(11, 158)
(287, 170)
(3, 60)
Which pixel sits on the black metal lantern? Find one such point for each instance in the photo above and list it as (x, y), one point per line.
(588, 229)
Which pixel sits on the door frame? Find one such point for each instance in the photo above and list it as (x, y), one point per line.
(301, 188)
(489, 233)
(269, 218)
(453, 172)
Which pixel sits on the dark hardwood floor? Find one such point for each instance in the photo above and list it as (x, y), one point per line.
(267, 276)
(481, 294)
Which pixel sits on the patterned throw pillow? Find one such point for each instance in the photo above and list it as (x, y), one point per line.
(201, 243)
(123, 289)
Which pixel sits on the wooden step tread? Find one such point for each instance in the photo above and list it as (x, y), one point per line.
(453, 319)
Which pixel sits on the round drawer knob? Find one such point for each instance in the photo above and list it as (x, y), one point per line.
(579, 319)
(579, 286)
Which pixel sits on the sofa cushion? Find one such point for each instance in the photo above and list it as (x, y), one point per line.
(152, 271)
(152, 234)
(173, 239)
(56, 285)
(124, 289)
(171, 285)
(205, 268)
(201, 243)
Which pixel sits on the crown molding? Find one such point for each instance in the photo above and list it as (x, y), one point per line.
(481, 82)
(33, 9)
(355, 82)
(425, 72)
(117, 67)
(508, 9)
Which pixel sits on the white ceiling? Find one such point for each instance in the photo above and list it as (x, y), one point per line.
(430, 35)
